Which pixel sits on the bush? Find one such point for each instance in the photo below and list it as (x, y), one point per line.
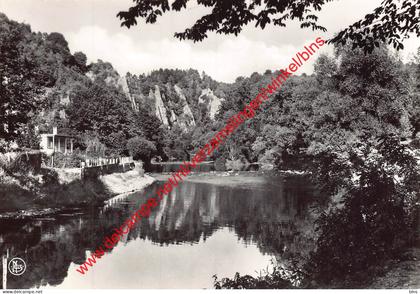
(94, 148)
(49, 177)
(275, 280)
(236, 165)
(220, 164)
(62, 160)
(368, 229)
(140, 148)
(29, 138)
(20, 162)
(375, 222)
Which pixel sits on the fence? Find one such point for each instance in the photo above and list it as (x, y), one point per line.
(100, 161)
(92, 168)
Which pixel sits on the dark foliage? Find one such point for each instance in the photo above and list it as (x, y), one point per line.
(391, 22)
(19, 80)
(376, 221)
(228, 17)
(141, 149)
(270, 280)
(105, 111)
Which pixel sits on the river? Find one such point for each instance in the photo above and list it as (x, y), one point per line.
(199, 230)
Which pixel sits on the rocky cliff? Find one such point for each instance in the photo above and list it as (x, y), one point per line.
(210, 101)
(176, 98)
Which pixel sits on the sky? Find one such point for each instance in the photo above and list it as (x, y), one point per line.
(91, 26)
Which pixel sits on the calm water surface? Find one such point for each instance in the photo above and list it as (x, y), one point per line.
(200, 230)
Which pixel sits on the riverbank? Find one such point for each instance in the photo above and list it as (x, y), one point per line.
(401, 274)
(229, 178)
(55, 190)
(130, 181)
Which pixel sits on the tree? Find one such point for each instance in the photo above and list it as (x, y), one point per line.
(414, 71)
(389, 22)
(19, 90)
(80, 59)
(350, 117)
(151, 128)
(57, 44)
(177, 144)
(228, 17)
(106, 111)
(105, 72)
(142, 149)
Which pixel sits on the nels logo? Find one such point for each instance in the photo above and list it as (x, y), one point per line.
(17, 266)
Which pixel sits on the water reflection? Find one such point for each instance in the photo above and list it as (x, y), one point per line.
(168, 167)
(197, 231)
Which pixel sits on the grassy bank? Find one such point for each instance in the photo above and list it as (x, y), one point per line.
(51, 190)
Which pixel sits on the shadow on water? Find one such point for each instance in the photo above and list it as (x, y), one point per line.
(264, 214)
(168, 167)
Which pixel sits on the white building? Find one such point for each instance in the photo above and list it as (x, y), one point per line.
(55, 142)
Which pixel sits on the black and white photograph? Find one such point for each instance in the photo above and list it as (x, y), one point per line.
(209, 144)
